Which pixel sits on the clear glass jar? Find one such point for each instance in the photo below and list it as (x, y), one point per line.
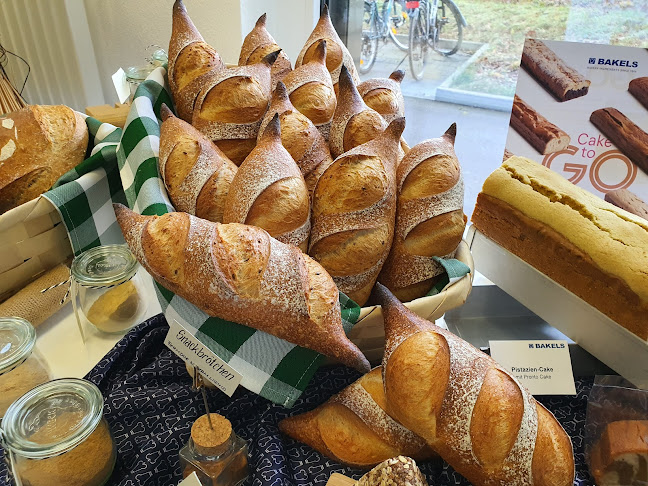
(215, 453)
(107, 289)
(135, 75)
(56, 436)
(22, 367)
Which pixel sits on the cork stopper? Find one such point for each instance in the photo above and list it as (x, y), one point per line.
(208, 441)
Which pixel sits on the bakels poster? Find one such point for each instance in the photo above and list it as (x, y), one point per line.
(598, 144)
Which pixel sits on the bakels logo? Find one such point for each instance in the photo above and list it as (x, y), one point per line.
(613, 62)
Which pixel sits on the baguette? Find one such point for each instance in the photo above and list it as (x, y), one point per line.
(395, 471)
(257, 45)
(623, 133)
(352, 427)
(429, 217)
(311, 92)
(384, 95)
(354, 208)
(620, 456)
(543, 135)
(469, 409)
(354, 123)
(336, 52)
(231, 105)
(191, 62)
(38, 144)
(240, 273)
(195, 172)
(299, 136)
(269, 191)
(638, 88)
(559, 79)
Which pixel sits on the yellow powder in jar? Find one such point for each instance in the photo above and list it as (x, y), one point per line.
(88, 464)
(116, 309)
(20, 380)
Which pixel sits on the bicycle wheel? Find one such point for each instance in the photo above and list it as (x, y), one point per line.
(418, 44)
(449, 30)
(369, 47)
(396, 23)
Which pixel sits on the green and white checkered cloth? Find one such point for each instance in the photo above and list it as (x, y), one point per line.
(123, 168)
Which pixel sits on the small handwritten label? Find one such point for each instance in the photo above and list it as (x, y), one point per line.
(191, 480)
(121, 85)
(190, 349)
(544, 367)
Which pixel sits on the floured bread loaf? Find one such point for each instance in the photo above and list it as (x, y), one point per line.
(384, 95)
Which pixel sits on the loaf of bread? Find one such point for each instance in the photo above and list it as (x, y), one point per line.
(196, 174)
(470, 410)
(384, 95)
(354, 208)
(231, 105)
(353, 428)
(269, 191)
(592, 248)
(429, 217)
(299, 136)
(620, 456)
(257, 45)
(624, 199)
(623, 133)
(401, 471)
(311, 92)
(559, 79)
(354, 123)
(543, 135)
(191, 61)
(241, 274)
(336, 52)
(638, 88)
(38, 144)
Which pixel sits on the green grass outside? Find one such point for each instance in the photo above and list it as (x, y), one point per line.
(504, 24)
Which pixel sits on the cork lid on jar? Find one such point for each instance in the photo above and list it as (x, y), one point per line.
(211, 440)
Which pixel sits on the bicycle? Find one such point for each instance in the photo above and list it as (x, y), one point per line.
(435, 25)
(388, 24)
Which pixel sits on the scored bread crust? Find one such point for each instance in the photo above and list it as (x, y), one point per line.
(240, 273)
(384, 95)
(270, 185)
(197, 182)
(470, 410)
(429, 185)
(354, 207)
(353, 428)
(259, 43)
(38, 144)
(592, 248)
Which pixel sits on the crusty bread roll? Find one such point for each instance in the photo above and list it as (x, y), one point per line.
(354, 208)
(241, 274)
(257, 45)
(231, 105)
(311, 90)
(38, 144)
(401, 471)
(299, 136)
(196, 173)
(620, 456)
(353, 428)
(469, 409)
(269, 191)
(429, 217)
(354, 123)
(384, 95)
(191, 61)
(336, 52)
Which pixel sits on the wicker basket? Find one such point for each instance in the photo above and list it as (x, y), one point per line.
(33, 239)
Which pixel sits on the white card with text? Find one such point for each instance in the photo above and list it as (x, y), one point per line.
(187, 346)
(191, 480)
(544, 367)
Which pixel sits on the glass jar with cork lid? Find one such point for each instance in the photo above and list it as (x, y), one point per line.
(215, 453)
(107, 289)
(22, 367)
(56, 435)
